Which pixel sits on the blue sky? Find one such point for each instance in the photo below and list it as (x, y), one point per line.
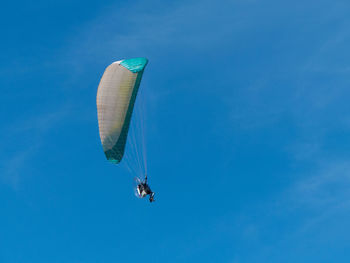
(248, 131)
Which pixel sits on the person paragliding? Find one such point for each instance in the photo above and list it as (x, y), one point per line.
(116, 96)
(143, 190)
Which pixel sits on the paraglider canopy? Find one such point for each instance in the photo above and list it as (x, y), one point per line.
(116, 97)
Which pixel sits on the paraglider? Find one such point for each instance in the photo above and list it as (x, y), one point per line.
(116, 96)
(143, 190)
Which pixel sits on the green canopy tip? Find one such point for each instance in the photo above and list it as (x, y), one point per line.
(134, 64)
(114, 161)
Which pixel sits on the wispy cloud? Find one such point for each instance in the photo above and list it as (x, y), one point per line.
(325, 188)
(302, 215)
(144, 30)
(13, 167)
(21, 142)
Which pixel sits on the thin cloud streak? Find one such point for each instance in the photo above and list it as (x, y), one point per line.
(26, 137)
